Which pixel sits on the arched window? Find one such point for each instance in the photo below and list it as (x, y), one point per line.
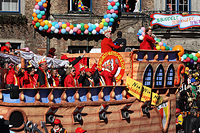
(170, 76)
(159, 76)
(148, 75)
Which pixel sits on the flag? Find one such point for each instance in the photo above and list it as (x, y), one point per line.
(146, 94)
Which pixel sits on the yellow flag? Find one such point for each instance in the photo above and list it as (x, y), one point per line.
(146, 94)
(160, 100)
(155, 97)
(135, 87)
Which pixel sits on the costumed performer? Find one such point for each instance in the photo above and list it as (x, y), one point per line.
(54, 78)
(6, 48)
(86, 78)
(57, 127)
(98, 79)
(70, 80)
(13, 77)
(148, 41)
(52, 53)
(107, 43)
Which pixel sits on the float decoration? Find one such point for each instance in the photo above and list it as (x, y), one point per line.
(192, 58)
(39, 22)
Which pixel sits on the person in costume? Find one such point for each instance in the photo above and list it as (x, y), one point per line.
(148, 41)
(80, 130)
(98, 79)
(54, 79)
(29, 80)
(107, 43)
(109, 74)
(179, 120)
(62, 70)
(42, 73)
(57, 127)
(13, 75)
(86, 78)
(6, 48)
(192, 87)
(70, 80)
(51, 52)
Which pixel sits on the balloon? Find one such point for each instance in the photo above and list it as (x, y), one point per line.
(75, 29)
(82, 29)
(40, 20)
(39, 16)
(187, 59)
(162, 47)
(63, 31)
(108, 11)
(42, 12)
(115, 0)
(43, 1)
(184, 56)
(101, 31)
(198, 60)
(112, 3)
(113, 15)
(57, 26)
(60, 24)
(33, 22)
(53, 28)
(46, 22)
(161, 44)
(141, 37)
(46, 27)
(79, 31)
(74, 25)
(94, 26)
(103, 20)
(108, 3)
(164, 44)
(68, 24)
(37, 11)
(158, 47)
(105, 16)
(179, 48)
(195, 58)
(41, 28)
(140, 32)
(167, 48)
(116, 11)
(67, 29)
(108, 16)
(115, 7)
(117, 4)
(197, 55)
(190, 56)
(97, 29)
(191, 61)
(35, 19)
(143, 34)
(112, 20)
(90, 29)
(41, 8)
(86, 32)
(43, 16)
(110, 0)
(45, 5)
(64, 26)
(101, 26)
(39, 3)
(105, 24)
(107, 20)
(59, 32)
(170, 48)
(35, 27)
(97, 25)
(94, 32)
(49, 30)
(110, 24)
(78, 26)
(89, 24)
(71, 32)
(112, 10)
(142, 28)
(82, 24)
(110, 7)
(37, 7)
(155, 39)
(71, 27)
(56, 31)
(37, 24)
(158, 40)
(105, 28)
(34, 14)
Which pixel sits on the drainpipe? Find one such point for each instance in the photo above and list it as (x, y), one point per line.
(48, 34)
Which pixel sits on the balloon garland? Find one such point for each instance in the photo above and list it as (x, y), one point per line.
(39, 22)
(159, 45)
(192, 58)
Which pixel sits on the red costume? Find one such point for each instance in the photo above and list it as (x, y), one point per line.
(12, 78)
(54, 81)
(109, 75)
(5, 48)
(28, 81)
(70, 81)
(108, 45)
(148, 43)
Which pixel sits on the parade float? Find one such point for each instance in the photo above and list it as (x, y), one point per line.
(142, 101)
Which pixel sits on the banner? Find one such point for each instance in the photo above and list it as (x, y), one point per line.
(163, 109)
(146, 94)
(155, 97)
(173, 20)
(135, 87)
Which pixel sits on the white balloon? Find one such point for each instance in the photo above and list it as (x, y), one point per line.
(33, 10)
(78, 26)
(56, 31)
(115, 0)
(199, 52)
(97, 25)
(71, 32)
(49, 21)
(141, 37)
(193, 54)
(182, 58)
(53, 28)
(94, 32)
(195, 62)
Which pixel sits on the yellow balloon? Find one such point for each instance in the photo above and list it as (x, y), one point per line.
(101, 23)
(64, 26)
(46, 22)
(158, 47)
(103, 20)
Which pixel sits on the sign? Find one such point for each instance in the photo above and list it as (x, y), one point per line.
(173, 20)
(110, 56)
(163, 110)
(155, 98)
(146, 94)
(135, 87)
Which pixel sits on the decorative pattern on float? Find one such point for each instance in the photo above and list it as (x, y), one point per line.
(39, 22)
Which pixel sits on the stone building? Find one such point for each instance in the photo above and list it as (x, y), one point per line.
(16, 24)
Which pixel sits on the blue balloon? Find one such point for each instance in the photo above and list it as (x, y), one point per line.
(63, 31)
(93, 26)
(155, 38)
(140, 31)
(37, 11)
(63, 22)
(110, 24)
(110, 0)
(46, 27)
(53, 24)
(109, 15)
(43, 1)
(97, 33)
(170, 48)
(89, 24)
(110, 7)
(40, 3)
(45, 9)
(164, 44)
(57, 26)
(101, 30)
(138, 34)
(42, 12)
(90, 29)
(105, 28)
(74, 33)
(184, 56)
(115, 7)
(117, 4)
(112, 20)
(114, 15)
(105, 16)
(41, 28)
(32, 18)
(56, 22)
(39, 16)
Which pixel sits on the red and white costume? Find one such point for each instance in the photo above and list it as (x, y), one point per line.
(70, 81)
(54, 81)
(12, 78)
(28, 81)
(108, 45)
(148, 43)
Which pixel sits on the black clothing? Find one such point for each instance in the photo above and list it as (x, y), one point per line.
(190, 123)
(131, 4)
(96, 78)
(62, 72)
(84, 80)
(121, 41)
(62, 131)
(41, 77)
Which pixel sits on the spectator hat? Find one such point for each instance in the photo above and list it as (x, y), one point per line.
(80, 130)
(193, 80)
(178, 110)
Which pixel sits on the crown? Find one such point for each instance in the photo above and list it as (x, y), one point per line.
(29, 65)
(107, 30)
(43, 60)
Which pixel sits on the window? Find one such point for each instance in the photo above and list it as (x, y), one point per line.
(10, 5)
(170, 76)
(159, 76)
(130, 6)
(80, 5)
(177, 6)
(148, 75)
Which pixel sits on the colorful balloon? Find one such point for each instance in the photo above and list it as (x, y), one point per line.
(179, 48)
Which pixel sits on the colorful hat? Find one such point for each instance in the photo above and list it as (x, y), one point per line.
(7, 43)
(107, 30)
(178, 110)
(80, 130)
(193, 80)
(99, 69)
(43, 60)
(56, 121)
(82, 69)
(88, 70)
(64, 57)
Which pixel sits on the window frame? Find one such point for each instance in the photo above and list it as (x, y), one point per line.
(19, 9)
(120, 7)
(71, 6)
(155, 76)
(145, 72)
(168, 70)
(177, 7)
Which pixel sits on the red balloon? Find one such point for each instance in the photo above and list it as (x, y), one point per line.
(97, 29)
(108, 11)
(49, 30)
(68, 24)
(79, 31)
(59, 31)
(116, 11)
(36, 3)
(198, 60)
(112, 3)
(43, 17)
(187, 59)
(184, 61)
(33, 22)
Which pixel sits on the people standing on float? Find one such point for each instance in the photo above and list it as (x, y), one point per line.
(29, 80)
(54, 78)
(121, 41)
(62, 70)
(70, 80)
(13, 77)
(6, 48)
(42, 73)
(109, 74)
(107, 43)
(148, 41)
(86, 78)
(98, 79)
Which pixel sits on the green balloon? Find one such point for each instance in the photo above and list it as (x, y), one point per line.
(195, 58)
(158, 40)
(110, 7)
(52, 32)
(167, 48)
(187, 54)
(82, 24)
(82, 29)
(89, 33)
(42, 12)
(116, 16)
(117, 4)
(53, 24)
(74, 25)
(105, 24)
(82, 33)
(191, 56)
(37, 24)
(111, 19)
(67, 33)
